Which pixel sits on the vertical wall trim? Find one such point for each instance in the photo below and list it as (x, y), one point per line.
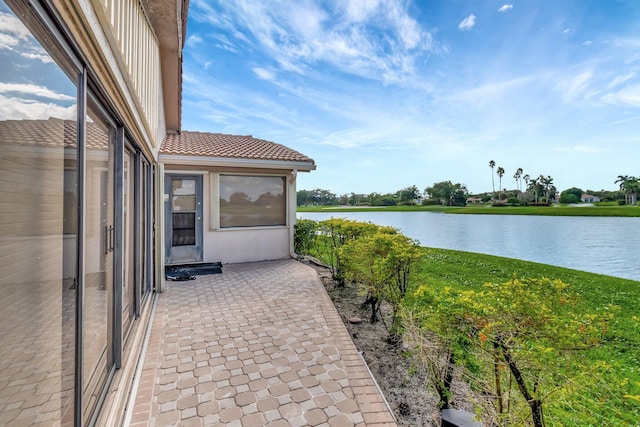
(214, 201)
(138, 236)
(292, 201)
(80, 240)
(118, 259)
(158, 228)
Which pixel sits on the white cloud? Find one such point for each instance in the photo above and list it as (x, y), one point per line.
(468, 22)
(567, 30)
(587, 43)
(630, 95)
(34, 90)
(44, 58)
(574, 86)
(14, 36)
(194, 39)
(627, 42)
(505, 8)
(378, 40)
(13, 30)
(621, 79)
(264, 74)
(19, 108)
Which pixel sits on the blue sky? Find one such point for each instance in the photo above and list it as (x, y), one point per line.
(386, 94)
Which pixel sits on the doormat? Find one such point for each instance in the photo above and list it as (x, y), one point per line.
(190, 271)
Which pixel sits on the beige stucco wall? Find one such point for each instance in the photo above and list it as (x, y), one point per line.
(246, 245)
(238, 245)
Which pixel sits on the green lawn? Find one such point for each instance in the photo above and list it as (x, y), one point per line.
(555, 210)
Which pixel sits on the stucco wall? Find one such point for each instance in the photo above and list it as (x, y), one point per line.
(237, 245)
(246, 245)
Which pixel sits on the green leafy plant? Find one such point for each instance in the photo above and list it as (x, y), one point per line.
(523, 332)
(381, 265)
(304, 236)
(335, 233)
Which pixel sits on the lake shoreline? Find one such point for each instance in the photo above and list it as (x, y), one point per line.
(554, 210)
(596, 244)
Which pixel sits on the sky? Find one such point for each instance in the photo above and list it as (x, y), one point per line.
(386, 94)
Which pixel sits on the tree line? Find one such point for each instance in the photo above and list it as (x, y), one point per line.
(528, 190)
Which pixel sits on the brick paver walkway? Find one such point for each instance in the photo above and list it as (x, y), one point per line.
(259, 345)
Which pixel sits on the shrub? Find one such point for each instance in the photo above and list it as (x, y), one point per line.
(335, 232)
(304, 235)
(521, 330)
(569, 198)
(381, 265)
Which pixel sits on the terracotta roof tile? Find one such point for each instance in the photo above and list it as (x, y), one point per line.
(228, 146)
(53, 132)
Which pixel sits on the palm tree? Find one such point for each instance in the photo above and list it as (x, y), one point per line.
(547, 183)
(534, 186)
(518, 177)
(492, 165)
(629, 185)
(500, 173)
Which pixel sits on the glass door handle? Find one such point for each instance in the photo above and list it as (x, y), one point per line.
(108, 239)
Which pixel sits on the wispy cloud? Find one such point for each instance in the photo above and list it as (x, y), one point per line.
(264, 74)
(34, 90)
(13, 31)
(14, 108)
(376, 40)
(14, 36)
(574, 86)
(630, 96)
(505, 8)
(618, 80)
(467, 23)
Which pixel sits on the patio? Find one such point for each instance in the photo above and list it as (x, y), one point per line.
(259, 345)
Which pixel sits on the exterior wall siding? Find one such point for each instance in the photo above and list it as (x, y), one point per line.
(132, 36)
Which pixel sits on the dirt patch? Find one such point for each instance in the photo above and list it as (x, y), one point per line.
(405, 387)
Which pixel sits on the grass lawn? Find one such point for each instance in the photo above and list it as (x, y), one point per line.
(608, 393)
(555, 210)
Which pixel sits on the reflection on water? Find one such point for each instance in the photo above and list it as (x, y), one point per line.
(595, 244)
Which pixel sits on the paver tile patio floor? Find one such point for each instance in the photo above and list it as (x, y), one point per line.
(259, 345)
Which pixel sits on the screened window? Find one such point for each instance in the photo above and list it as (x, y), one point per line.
(252, 201)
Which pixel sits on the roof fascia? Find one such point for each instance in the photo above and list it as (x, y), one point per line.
(236, 162)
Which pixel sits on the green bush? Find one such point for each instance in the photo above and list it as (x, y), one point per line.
(568, 198)
(304, 236)
(334, 233)
(513, 201)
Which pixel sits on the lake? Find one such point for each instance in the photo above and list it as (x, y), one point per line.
(603, 245)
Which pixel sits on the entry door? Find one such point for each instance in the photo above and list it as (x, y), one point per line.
(183, 219)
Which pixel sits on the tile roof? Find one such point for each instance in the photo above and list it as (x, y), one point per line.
(52, 133)
(206, 144)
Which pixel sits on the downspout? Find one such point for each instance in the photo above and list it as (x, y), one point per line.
(292, 211)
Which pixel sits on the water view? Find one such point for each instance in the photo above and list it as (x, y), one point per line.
(603, 245)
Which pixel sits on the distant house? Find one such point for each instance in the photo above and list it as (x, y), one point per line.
(589, 198)
(474, 200)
